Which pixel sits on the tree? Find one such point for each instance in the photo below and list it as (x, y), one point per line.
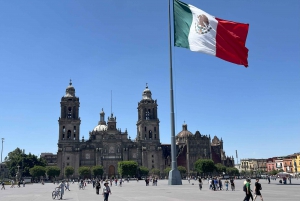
(37, 171)
(167, 170)
(273, 172)
(182, 170)
(69, 171)
(52, 171)
(204, 166)
(220, 168)
(155, 171)
(97, 170)
(84, 171)
(17, 158)
(232, 171)
(127, 168)
(143, 171)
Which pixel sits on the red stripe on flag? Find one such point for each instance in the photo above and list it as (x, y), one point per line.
(231, 38)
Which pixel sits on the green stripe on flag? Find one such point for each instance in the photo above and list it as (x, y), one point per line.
(182, 22)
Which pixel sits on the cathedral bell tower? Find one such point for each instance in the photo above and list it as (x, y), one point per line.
(69, 121)
(148, 123)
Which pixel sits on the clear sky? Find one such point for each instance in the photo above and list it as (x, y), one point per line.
(120, 46)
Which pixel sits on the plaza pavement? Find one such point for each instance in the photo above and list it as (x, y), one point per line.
(138, 191)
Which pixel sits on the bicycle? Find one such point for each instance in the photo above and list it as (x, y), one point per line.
(81, 186)
(56, 193)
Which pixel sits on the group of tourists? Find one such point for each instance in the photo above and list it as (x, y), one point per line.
(153, 180)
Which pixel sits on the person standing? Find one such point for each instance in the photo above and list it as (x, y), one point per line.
(226, 184)
(257, 190)
(62, 189)
(232, 184)
(106, 191)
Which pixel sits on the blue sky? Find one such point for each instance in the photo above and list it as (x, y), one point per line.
(120, 46)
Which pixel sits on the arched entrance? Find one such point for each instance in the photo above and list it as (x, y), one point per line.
(111, 171)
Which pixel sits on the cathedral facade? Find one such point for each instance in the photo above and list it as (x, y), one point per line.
(107, 145)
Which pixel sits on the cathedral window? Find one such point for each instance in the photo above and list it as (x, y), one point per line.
(150, 134)
(69, 134)
(154, 129)
(74, 129)
(68, 158)
(69, 113)
(74, 136)
(145, 128)
(147, 116)
(154, 136)
(152, 156)
(64, 129)
(63, 137)
(145, 136)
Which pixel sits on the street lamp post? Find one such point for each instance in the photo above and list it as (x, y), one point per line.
(2, 148)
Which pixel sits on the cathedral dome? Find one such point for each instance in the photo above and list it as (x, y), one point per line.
(70, 90)
(147, 93)
(184, 132)
(100, 128)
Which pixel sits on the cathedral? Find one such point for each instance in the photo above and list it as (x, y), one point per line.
(107, 145)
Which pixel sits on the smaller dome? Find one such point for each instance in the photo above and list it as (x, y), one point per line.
(147, 93)
(100, 128)
(70, 90)
(184, 132)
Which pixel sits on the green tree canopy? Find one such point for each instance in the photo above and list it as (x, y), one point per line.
(167, 170)
(232, 171)
(37, 171)
(52, 171)
(84, 171)
(143, 171)
(25, 162)
(155, 171)
(97, 170)
(204, 166)
(69, 171)
(127, 168)
(273, 172)
(181, 169)
(220, 168)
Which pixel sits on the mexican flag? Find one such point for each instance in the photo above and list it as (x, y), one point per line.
(201, 32)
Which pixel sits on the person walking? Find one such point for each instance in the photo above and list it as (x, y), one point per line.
(68, 186)
(98, 187)
(62, 189)
(257, 190)
(106, 191)
(247, 190)
(3, 185)
(200, 183)
(12, 183)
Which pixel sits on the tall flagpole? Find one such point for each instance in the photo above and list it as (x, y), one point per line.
(174, 174)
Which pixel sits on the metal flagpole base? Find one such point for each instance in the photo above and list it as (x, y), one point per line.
(174, 177)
